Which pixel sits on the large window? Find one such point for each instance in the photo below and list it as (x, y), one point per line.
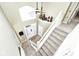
(27, 13)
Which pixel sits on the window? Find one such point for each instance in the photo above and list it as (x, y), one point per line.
(27, 13)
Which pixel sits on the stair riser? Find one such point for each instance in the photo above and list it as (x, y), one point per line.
(42, 52)
(55, 41)
(47, 51)
(57, 36)
(52, 44)
(51, 49)
(60, 33)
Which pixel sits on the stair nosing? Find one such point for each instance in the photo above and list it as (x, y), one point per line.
(61, 30)
(56, 38)
(44, 51)
(52, 46)
(49, 49)
(54, 41)
(58, 34)
(53, 34)
(40, 53)
(61, 33)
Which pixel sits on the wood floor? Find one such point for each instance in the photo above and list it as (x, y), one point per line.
(35, 38)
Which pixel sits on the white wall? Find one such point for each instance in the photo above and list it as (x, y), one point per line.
(44, 24)
(8, 43)
(53, 8)
(11, 10)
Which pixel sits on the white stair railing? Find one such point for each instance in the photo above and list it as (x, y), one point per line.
(54, 24)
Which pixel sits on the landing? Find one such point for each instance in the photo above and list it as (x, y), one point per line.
(68, 27)
(35, 38)
(28, 49)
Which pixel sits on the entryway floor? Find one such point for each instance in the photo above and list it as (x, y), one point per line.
(28, 49)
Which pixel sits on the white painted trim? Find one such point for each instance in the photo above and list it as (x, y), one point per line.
(22, 51)
(33, 45)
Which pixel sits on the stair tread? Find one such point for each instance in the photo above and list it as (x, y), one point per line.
(63, 27)
(52, 50)
(55, 40)
(58, 36)
(52, 44)
(35, 38)
(38, 54)
(47, 51)
(42, 52)
(60, 32)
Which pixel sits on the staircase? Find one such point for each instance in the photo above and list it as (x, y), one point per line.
(52, 39)
(52, 43)
(55, 39)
